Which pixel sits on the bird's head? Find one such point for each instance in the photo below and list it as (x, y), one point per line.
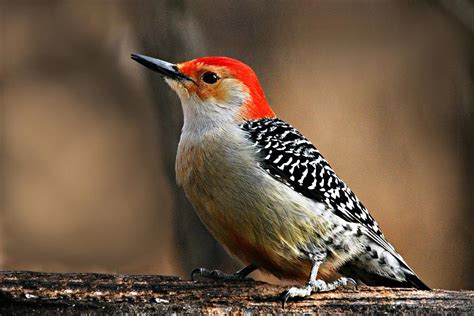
(219, 88)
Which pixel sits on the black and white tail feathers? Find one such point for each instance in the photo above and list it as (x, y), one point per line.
(374, 279)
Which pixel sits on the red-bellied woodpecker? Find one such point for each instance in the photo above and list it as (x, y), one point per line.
(265, 192)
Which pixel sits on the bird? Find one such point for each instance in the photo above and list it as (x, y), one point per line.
(264, 191)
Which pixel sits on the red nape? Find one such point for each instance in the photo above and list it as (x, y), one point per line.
(258, 106)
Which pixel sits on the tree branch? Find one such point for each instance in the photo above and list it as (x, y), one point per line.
(45, 293)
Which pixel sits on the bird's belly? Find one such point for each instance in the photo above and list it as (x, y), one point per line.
(245, 237)
(257, 219)
(258, 224)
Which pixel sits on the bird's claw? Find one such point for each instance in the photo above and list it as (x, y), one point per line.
(351, 283)
(316, 286)
(294, 292)
(215, 275)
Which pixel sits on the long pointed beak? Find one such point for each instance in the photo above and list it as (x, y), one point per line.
(166, 69)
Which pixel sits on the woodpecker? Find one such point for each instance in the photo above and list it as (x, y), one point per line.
(265, 192)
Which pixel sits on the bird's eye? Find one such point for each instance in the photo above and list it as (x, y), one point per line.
(210, 77)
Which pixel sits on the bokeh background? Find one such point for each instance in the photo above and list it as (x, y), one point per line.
(88, 137)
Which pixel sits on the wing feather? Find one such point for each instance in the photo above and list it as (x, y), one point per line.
(290, 158)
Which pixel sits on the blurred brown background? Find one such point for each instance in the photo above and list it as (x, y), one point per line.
(88, 137)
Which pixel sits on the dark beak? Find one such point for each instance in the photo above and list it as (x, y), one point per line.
(166, 69)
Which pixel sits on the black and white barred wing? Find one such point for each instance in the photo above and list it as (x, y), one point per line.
(289, 157)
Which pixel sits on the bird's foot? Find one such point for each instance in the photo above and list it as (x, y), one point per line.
(316, 286)
(200, 274)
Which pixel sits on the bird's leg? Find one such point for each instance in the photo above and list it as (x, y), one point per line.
(315, 285)
(202, 273)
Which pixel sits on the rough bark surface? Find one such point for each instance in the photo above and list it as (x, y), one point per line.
(51, 293)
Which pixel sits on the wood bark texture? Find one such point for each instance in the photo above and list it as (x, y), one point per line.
(66, 293)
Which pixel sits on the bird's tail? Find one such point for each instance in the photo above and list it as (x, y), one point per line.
(412, 280)
(374, 279)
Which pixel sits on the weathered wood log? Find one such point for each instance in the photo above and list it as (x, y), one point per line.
(46, 293)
